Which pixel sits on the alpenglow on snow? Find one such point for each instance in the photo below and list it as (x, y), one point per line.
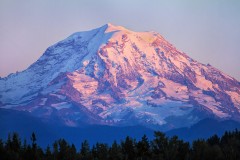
(117, 77)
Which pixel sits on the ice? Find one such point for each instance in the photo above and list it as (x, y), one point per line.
(62, 105)
(235, 98)
(119, 75)
(43, 101)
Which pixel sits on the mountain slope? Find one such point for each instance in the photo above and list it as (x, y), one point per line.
(117, 77)
(204, 129)
(24, 124)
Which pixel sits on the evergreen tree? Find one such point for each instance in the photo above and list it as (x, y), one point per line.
(34, 146)
(2, 150)
(39, 153)
(143, 148)
(128, 148)
(94, 152)
(63, 149)
(199, 148)
(16, 143)
(159, 145)
(55, 150)
(24, 149)
(28, 155)
(214, 148)
(72, 152)
(102, 151)
(115, 152)
(34, 139)
(85, 153)
(213, 140)
(8, 145)
(184, 150)
(13, 147)
(48, 154)
(230, 144)
(177, 149)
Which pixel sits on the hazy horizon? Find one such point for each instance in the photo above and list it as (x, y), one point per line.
(208, 32)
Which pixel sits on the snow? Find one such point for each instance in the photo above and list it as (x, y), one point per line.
(157, 114)
(43, 101)
(83, 83)
(61, 97)
(133, 64)
(175, 90)
(112, 28)
(203, 83)
(62, 105)
(210, 103)
(235, 98)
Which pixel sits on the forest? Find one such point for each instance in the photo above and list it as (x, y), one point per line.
(161, 147)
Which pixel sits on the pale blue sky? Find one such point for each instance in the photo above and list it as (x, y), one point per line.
(207, 30)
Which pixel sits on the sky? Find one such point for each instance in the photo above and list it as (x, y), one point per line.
(207, 30)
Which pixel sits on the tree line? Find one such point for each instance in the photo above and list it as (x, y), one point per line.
(161, 147)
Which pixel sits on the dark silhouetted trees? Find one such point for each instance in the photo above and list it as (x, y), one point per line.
(161, 147)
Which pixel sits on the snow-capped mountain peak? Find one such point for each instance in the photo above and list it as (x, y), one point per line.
(114, 76)
(111, 28)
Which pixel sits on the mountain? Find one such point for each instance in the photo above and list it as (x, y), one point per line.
(112, 76)
(24, 124)
(204, 129)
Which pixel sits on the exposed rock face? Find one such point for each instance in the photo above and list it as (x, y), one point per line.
(114, 76)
